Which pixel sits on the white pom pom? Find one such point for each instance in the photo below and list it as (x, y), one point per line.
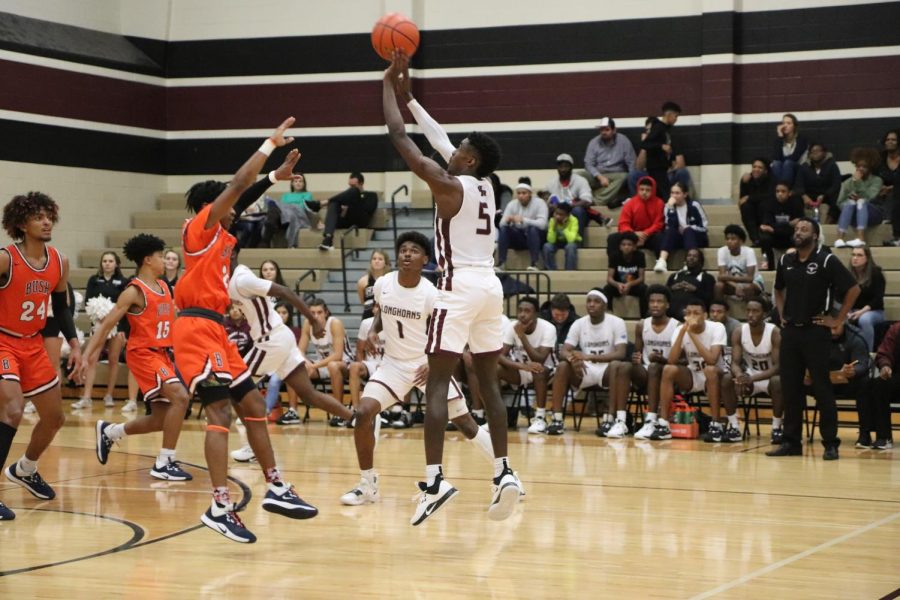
(97, 309)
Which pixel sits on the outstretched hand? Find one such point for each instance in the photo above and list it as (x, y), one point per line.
(285, 171)
(278, 136)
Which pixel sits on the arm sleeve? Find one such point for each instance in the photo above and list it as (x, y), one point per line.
(248, 284)
(251, 195)
(434, 133)
(60, 307)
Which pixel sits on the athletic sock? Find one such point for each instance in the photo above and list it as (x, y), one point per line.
(482, 441)
(431, 473)
(479, 413)
(733, 421)
(607, 418)
(621, 415)
(26, 466)
(500, 464)
(165, 457)
(273, 475)
(653, 417)
(662, 422)
(116, 432)
(557, 416)
(541, 413)
(777, 421)
(221, 496)
(7, 433)
(369, 475)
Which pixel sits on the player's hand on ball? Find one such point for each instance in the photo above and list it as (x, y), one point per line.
(278, 136)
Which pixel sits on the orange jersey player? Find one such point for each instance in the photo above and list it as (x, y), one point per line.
(33, 278)
(208, 363)
(148, 305)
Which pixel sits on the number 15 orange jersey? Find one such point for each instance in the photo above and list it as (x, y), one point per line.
(152, 327)
(25, 299)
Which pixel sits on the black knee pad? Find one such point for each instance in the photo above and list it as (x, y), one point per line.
(239, 390)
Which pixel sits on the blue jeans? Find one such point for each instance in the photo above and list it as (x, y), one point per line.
(529, 238)
(851, 215)
(784, 170)
(682, 176)
(571, 255)
(273, 392)
(867, 324)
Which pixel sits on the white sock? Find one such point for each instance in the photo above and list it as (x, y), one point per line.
(116, 432)
(500, 464)
(651, 417)
(621, 415)
(557, 416)
(541, 413)
(776, 422)
(733, 421)
(662, 422)
(26, 467)
(482, 441)
(369, 475)
(165, 457)
(431, 473)
(480, 413)
(607, 418)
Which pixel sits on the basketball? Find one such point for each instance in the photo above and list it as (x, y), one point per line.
(395, 30)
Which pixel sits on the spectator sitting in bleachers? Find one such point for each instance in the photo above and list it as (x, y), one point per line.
(571, 188)
(695, 365)
(352, 207)
(889, 171)
(779, 215)
(527, 357)
(658, 145)
(868, 310)
(755, 188)
(652, 343)
(789, 150)
(686, 225)
(562, 233)
(608, 160)
(561, 314)
(273, 389)
(859, 200)
(755, 364)
(718, 313)
(625, 275)
(692, 281)
(522, 227)
(173, 269)
(737, 267)
(819, 183)
(874, 409)
(678, 170)
(594, 341)
(238, 329)
(379, 264)
(643, 215)
(333, 352)
(848, 363)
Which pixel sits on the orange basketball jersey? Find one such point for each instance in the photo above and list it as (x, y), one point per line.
(207, 265)
(25, 298)
(152, 327)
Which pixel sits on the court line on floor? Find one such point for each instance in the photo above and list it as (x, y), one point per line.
(799, 556)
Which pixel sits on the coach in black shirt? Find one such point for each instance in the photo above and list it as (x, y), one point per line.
(805, 284)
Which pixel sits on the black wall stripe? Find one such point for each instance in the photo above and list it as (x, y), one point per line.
(821, 28)
(526, 150)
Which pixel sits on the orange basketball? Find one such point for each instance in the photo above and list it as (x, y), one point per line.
(394, 30)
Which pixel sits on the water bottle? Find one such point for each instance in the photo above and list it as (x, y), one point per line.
(816, 214)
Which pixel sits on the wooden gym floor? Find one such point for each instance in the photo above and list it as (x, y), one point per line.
(603, 518)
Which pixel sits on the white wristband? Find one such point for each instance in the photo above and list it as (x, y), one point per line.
(267, 147)
(272, 177)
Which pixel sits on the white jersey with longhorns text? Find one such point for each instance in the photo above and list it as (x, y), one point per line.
(325, 345)
(467, 239)
(757, 359)
(657, 343)
(404, 317)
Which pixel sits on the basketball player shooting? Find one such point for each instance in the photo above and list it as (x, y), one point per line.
(469, 305)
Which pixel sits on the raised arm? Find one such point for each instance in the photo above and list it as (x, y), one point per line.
(446, 189)
(246, 175)
(434, 133)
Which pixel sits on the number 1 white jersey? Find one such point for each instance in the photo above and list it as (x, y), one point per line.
(404, 317)
(466, 239)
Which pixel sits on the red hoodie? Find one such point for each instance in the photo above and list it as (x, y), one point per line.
(640, 215)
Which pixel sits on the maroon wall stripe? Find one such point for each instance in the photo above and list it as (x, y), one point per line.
(842, 84)
(61, 93)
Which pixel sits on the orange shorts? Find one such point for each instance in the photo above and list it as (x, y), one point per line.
(25, 360)
(202, 350)
(152, 369)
